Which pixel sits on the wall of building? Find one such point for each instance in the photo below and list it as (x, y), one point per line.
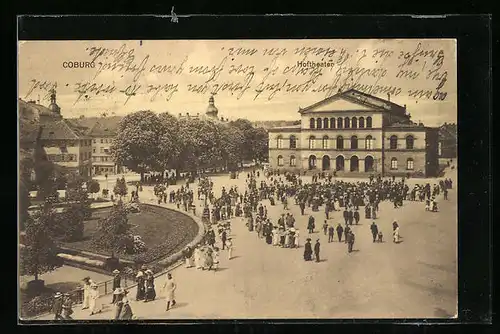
(432, 151)
(102, 160)
(377, 117)
(73, 154)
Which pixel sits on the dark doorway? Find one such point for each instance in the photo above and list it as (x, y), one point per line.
(369, 164)
(339, 163)
(326, 162)
(312, 162)
(354, 163)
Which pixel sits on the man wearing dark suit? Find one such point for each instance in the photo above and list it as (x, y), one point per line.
(116, 283)
(350, 217)
(340, 230)
(331, 231)
(374, 230)
(346, 216)
(316, 250)
(356, 216)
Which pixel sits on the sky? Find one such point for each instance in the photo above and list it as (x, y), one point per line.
(254, 79)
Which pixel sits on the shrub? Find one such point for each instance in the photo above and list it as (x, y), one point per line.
(37, 305)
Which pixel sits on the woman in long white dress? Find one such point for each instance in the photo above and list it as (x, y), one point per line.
(94, 304)
(296, 238)
(396, 235)
(197, 257)
(276, 237)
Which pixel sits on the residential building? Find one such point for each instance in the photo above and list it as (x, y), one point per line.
(61, 141)
(355, 133)
(102, 159)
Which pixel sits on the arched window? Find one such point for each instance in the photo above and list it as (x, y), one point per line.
(340, 142)
(340, 123)
(354, 122)
(394, 163)
(368, 122)
(312, 142)
(312, 122)
(293, 161)
(318, 123)
(354, 142)
(279, 143)
(325, 142)
(332, 123)
(280, 160)
(393, 143)
(347, 123)
(409, 142)
(409, 164)
(293, 142)
(325, 123)
(361, 122)
(369, 143)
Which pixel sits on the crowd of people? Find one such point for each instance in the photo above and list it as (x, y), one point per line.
(250, 205)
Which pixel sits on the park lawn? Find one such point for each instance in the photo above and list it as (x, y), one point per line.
(164, 231)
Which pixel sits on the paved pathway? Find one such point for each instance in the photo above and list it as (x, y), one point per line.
(416, 278)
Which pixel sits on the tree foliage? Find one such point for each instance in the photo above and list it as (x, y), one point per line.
(38, 251)
(120, 188)
(113, 231)
(158, 143)
(93, 187)
(137, 143)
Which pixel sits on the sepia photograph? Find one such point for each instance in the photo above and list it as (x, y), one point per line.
(237, 179)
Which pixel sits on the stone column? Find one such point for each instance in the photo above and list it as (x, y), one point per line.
(361, 165)
(347, 165)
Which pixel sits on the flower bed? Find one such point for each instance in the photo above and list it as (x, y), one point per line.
(164, 232)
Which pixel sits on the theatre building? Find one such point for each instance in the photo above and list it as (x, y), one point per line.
(356, 134)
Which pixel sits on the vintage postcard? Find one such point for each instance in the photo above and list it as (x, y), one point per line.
(237, 179)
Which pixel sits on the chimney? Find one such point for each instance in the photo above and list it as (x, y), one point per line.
(389, 97)
(187, 114)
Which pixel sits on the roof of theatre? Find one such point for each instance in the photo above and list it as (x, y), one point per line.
(360, 98)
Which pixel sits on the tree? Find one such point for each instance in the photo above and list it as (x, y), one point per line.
(113, 231)
(93, 187)
(24, 203)
(120, 188)
(260, 145)
(71, 223)
(169, 146)
(137, 143)
(77, 195)
(232, 146)
(38, 253)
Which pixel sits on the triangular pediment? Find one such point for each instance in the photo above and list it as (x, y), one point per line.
(338, 103)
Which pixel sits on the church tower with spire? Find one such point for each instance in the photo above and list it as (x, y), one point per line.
(53, 105)
(212, 110)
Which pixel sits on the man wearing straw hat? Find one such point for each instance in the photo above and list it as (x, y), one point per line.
(57, 306)
(169, 290)
(116, 283)
(117, 297)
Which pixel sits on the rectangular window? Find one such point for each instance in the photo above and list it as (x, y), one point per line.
(394, 164)
(93, 150)
(95, 141)
(409, 164)
(102, 141)
(293, 162)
